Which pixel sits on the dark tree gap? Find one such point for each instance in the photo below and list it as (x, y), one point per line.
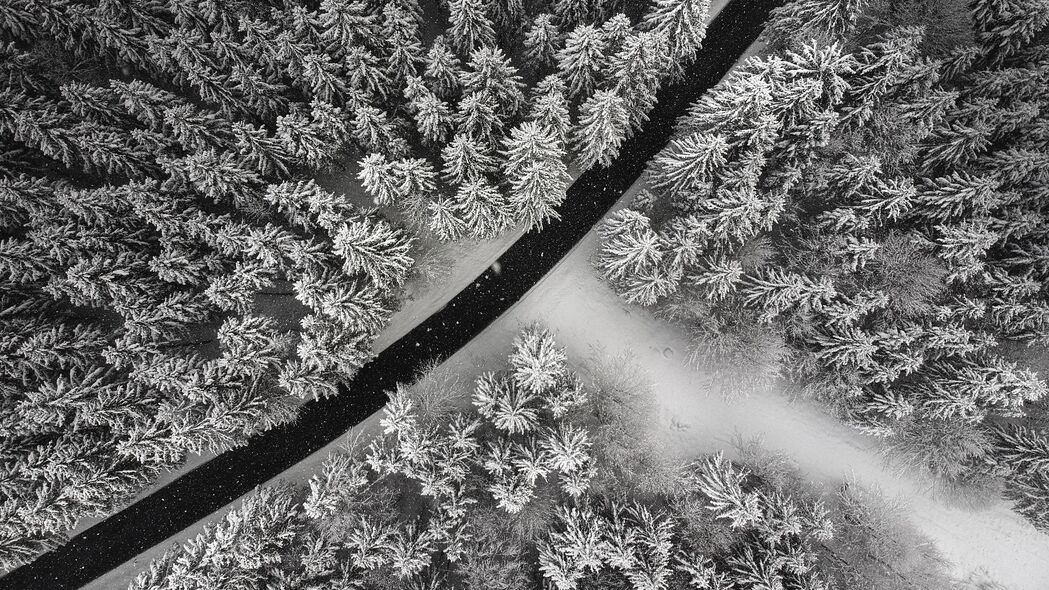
(212, 485)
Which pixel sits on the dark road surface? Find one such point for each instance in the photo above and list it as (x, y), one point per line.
(223, 479)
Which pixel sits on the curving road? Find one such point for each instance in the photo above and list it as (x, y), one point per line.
(221, 480)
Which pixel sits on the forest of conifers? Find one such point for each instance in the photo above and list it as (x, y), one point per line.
(863, 213)
(857, 215)
(155, 182)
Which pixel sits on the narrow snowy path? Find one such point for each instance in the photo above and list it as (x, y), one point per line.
(591, 321)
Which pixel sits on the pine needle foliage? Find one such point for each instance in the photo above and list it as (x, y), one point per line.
(895, 183)
(466, 502)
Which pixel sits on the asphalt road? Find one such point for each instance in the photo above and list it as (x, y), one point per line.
(223, 479)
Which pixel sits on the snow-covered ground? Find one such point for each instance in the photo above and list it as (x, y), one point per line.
(589, 319)
(466, 260)
(593, 323)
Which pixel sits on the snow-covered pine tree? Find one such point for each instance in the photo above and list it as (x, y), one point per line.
(509, 17)
(631, 246)
(373, 129)
(490, 72)
(405, 58)
(1004, 27)
(443, 68)
(551, 109)
(482, 208)
(571, 13)
(802, 20)
(541, 42)
(478, 117)
(375, 248)
(689, 163)
(603, 126)
(433, 118)
(638, 69)
(267, 155)
(345, 24)
(470, 25)
(683, 25)
(366, 73)
(466, 159)
(581, 60)
(267, 524)
(378, 177)
(536, 172)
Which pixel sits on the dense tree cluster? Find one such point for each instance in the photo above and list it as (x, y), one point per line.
(863, 212)
(151, 186)
(155, 187)
(509, 495)
(500, 105)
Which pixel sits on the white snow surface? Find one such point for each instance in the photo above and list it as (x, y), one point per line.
(591, 322)
(588, 318)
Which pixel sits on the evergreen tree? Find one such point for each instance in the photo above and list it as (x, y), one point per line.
(541, 42)
(442, 68)
(683, 24)
(808, 19)
(536, 172)
(615, 31)
(575, 12)
(372, 129)
(509, 16)
(581, 60)
(345, 24)
(470, 25)
(631, 246)
(465, 160)
(264, 526)
(1004, 27)
(444, 222)
(637, 71)
(688, 162)
(603, 123)
(378, 177)
(375, 248)
(481, 208)
(550, 110)
(366, 73)
(492, 74)
(433, 118)
(265, 154)
(478, 117)
(405, 58)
